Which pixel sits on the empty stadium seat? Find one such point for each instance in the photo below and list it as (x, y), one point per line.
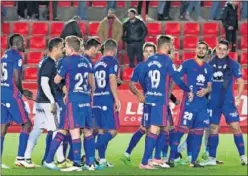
(75, 3)
(244, 42)
(188, 55)
(154, 28)
(234, 55)
(127, 74)
(6, 28)
(34, 57)
(64, 3)
(243, 28)
(125, 59)
(244, 58)
(39, 28)
(21, 28)
(99, 3)
(172, 28)
(93, 27)
(30, 73)
(245, 73)
(29, 85)
(121, 4)
(83, 27)
(190, 42)
(207, 3)
(177, 43)
(153, 3)
(211, 28)
(211, 41)
(134, 3)
(4, 42)
(8, 3)
(56, 28)
(37, 42)
(176, 4)
(191, 28)
(151, 39)
(176, 59)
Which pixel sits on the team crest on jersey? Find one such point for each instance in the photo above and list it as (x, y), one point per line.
(5, 56)
(206, 71)
(116, 68)
(234, 114)
(200, 79)
(224, 66)
(179, 68)
(20, 62)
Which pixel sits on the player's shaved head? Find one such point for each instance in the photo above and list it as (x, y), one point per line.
(17, 40)
(110, 45)
(73, 42)
(164, 39)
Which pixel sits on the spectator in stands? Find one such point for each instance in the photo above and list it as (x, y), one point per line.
(32, 10)
(82, 10)
(183, 8)
(45, 14)
(139, 9)
(244, 12)
(3, 13)
(194, 5)
(215, 10)
(229, 19)
(163, 11)
(134, 33)
(72, 27)
(110, 27)
(110, 5)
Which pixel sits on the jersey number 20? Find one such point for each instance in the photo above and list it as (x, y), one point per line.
(4, 72)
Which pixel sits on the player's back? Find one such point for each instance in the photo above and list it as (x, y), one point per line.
(11, 60)
(106, 66)
(156, 72)
(78, 70)
(137, 75)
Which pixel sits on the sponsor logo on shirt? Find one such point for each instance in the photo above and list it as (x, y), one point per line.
(200, 80)
(155, 94)
(102, 93)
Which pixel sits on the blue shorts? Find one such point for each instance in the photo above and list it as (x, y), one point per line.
(157, 115)
(144, 121)
(77, 115)
(229, 111)
(105, 117)
(194, 118)
(13, 110)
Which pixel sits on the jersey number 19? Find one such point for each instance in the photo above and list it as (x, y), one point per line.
(155, 78)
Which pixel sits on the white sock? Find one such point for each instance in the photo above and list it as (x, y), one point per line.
(60, 154)
(102, 160)
(127, 154)
(207, 134)
(32, 140)
(182, 146)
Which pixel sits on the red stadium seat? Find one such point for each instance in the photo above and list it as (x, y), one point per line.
(177, 43)
(99, 3)
(98, 56)
(93, 27)
(127, 74)
(176, 4)
(154, 28)
(244, 43)
(8, 3)
(83, 27)
(30, 73)
(211, 28)
(29, 85)
(34, 57)
(64, 3)
(211, 41)
(244, 58)
(126, 59)
(151, 39)
(188, 55)
(245, 73)
(234, 55)
(6, 28)
(121, 4)
(21, 28)
(191, 28)
(244, 29)
(134, 3)
(39, 28)
(37, 42)
(172, 28)
(4, 42)
(56, 28)
(153, 3)
(176, 59)
(207, 3)
(75, 3)
(190, 42)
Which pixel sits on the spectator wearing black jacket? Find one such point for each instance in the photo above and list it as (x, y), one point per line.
(229, 18)
(72, 27)
(134, 33)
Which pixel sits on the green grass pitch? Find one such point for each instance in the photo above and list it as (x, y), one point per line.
(227, 153)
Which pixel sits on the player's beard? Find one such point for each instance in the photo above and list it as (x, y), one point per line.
(201, 57)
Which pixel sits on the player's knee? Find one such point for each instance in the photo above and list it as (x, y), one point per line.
(214, 129)
(64, 132)
(113, 132)
(87, 132)
(154, 129)
(142, 128)
(235, 128)
(27, 126)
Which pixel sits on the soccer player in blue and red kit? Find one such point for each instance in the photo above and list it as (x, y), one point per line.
(156, 73)
(194, 117)
(76, 70)
(12, 105)
(106, 102)
(222, 101)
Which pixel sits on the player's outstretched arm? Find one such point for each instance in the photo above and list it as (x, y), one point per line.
(113, 87)
(241, 85)
(135, 91)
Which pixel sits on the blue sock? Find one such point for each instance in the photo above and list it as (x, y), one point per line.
(89, 143)
(166, 147)
(107, 137)
(189, 144)
(238, 139)
(59, 137)
(76, 146)
(149, 147)
(49, 139)
(65, 144)
(160, 144)
(23, 141)
(196, 141)
(70, 155)
(134, 140)
(175, 141)
(2, 141)
(100, 145)
(171, 135)
(213, 142)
